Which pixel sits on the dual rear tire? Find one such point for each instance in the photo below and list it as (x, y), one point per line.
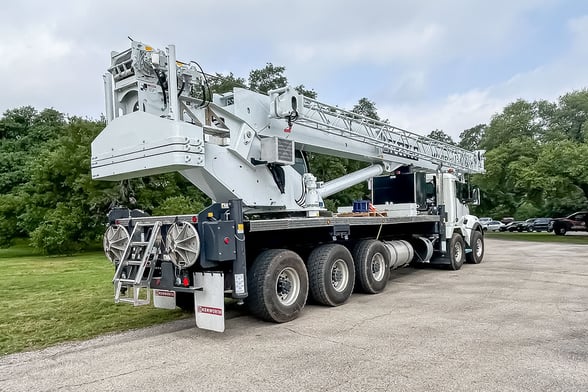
(331, 273)
(279, 282)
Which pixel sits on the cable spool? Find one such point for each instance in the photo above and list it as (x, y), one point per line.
(183, 244)
(115, 242)
(401, 253)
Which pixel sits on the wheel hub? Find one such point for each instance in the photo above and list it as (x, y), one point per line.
(479, 248)
(378, 266)
(288, 286)
(339, 275)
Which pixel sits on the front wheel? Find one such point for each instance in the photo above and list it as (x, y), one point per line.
(456, 252)
(278, 285)
(561, 230)
(477, 253)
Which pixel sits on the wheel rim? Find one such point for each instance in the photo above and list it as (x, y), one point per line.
(457, 252)
(378, 267)
(479, 247)
(288, 286)
(339, 275)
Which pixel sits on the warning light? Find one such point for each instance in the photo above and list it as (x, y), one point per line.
(194, 219)
(226, 240)
(210, 215)
(185, 281)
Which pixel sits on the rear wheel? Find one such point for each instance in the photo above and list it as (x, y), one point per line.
(477, 253)
(560, 230)
(277, 285)
(331, 274)
(372, 266)
(456, 251)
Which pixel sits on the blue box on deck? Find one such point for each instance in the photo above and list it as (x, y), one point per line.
(361, 206)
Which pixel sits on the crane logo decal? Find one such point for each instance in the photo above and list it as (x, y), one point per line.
(210, 310)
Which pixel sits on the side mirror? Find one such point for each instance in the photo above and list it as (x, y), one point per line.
(475, 196)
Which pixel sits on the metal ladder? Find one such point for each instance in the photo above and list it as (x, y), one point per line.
(135, 270)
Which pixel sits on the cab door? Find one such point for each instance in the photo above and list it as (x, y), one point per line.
(579, 221)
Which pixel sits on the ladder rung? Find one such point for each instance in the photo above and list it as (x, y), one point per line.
(138, 302)
(128, 281)
(139, 243)
(134, 262)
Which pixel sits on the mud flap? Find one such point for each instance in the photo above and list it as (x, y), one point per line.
(210, 301)
(164, 299)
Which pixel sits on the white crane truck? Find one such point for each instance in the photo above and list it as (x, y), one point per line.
(267, 239)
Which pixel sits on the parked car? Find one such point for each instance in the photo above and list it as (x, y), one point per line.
(507, 219)
(492, 226)
(512, 226)
(485, 220)
(576, 222)
(518, 226)
(527, 225)
(541, 224)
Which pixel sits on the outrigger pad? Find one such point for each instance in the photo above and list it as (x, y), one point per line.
(210, 301)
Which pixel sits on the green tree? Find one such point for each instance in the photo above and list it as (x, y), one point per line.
(221, 84)
(470, 138)
(367, 108)
(438, 134)
(310, 93)
(571, 117)
(24, 133)
(503, 190)
(515, 121)
(267, 78)
(66, 209)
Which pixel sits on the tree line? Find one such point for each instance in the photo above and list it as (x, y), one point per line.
(535, 166)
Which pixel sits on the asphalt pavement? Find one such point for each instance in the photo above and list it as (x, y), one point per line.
(516, 322)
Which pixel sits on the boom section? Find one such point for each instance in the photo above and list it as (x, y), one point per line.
(391, 144)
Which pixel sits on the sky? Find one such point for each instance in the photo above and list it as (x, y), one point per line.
(444, 64)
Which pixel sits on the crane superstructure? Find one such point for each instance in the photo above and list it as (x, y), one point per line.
(247, 152)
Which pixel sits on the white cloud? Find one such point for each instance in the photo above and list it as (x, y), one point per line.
(54, 53)
(463, 110)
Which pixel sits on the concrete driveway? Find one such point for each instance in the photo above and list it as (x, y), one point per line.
(516, 322)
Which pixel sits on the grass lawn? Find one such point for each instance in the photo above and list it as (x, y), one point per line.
(46, 300)
(539, 237)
